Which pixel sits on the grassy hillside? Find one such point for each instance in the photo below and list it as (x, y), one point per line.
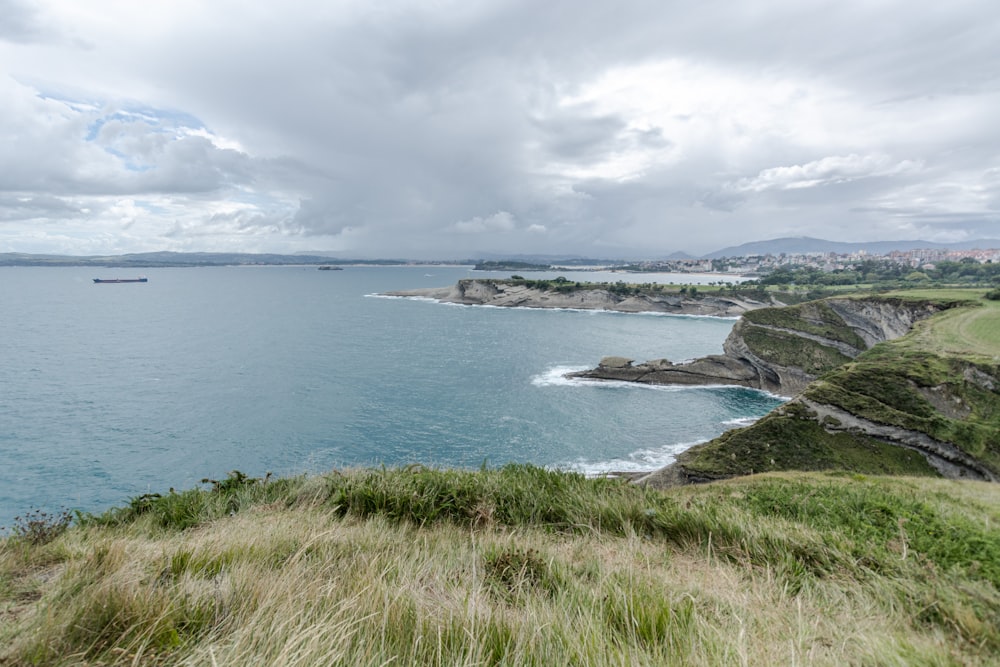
(790, 438)
(942, 380)
(516, 566)
(779, 348)
(814, 317)
(971, 332)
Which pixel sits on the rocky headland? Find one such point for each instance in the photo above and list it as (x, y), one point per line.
(860, 402)
(517, 294)
(869, 396)
(781, 350)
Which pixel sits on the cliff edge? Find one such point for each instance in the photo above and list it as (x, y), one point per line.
(782, 350)
(922, 401)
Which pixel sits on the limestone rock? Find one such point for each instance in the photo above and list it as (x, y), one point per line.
(616, 362)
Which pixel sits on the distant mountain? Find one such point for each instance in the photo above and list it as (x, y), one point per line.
(805, 244)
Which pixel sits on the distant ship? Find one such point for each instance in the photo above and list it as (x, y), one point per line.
(121, 280)
(326, 267)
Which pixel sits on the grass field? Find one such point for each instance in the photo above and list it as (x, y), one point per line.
(973, 294)
(517, 566)
(972, 331)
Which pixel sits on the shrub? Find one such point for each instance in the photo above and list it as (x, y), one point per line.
(39, 527)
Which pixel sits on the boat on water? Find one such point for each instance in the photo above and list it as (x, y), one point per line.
(121, 280)
(327, 267)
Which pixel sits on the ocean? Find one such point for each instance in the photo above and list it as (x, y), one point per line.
(112, 391)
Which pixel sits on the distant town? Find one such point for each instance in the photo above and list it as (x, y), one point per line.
(756, 259)
(751, 265)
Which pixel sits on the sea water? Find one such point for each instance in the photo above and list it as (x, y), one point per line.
(108, 391)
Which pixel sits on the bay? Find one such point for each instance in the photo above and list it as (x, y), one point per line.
(111, 391)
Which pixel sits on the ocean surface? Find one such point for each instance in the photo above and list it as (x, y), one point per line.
(111, 391)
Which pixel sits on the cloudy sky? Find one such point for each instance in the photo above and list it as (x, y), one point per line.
(446, 129)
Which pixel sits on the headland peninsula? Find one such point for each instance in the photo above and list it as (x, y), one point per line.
(518, 292)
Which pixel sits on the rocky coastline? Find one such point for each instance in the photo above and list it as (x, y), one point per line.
(780, 353)
(515, 295)
(889, 411)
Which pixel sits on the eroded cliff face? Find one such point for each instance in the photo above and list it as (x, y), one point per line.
(782, 350)
(892, 411)
(879, 319)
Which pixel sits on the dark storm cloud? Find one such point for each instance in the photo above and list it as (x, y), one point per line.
(439, 129)
(21, 22)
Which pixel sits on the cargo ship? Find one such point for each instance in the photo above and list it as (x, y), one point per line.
(121, 280)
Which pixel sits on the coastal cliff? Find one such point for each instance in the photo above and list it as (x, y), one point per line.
(555, 294)
(865, 399)
(889, 412)
(782, 350)
(906, 405)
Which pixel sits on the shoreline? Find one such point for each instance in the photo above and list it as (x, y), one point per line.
(481, 292)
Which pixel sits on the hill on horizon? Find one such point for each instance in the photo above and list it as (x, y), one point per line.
(806, 244)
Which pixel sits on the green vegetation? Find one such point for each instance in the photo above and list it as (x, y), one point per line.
(789, 350)
(814, 317)
(941, 380)
(947, 398)
(516, 566)
(970, 332)
(621, 288)
(510, 265)
(887, 274)
(790, 438)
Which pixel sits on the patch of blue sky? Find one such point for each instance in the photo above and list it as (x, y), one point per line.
(127, 161)
(161, 120)
(258, 199)
(151, 207)
(161, 124)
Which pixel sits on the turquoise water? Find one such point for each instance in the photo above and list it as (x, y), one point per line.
(110, 391)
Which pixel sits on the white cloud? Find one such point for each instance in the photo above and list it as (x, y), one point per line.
(568, 127)
(501, 221)
(826, 171)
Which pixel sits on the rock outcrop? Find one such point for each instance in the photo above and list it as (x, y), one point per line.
(782, 350)
(895, 408)
(891, 411)
(517, 295)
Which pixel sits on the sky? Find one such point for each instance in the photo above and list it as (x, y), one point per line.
(443, 129)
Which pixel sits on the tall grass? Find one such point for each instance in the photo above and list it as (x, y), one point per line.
(516, 566)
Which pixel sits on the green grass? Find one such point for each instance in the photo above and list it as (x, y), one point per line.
(815, 317)
(895, 385)
(972, 331)
(791, 439)
(789, 350)
(942, 379)
(938, 294)
(517, 566)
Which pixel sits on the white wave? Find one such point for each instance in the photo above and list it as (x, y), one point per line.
(692, 316)
(376, 295)
(556, 377)
(642, 460)
(740, 421)
(569, 309)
